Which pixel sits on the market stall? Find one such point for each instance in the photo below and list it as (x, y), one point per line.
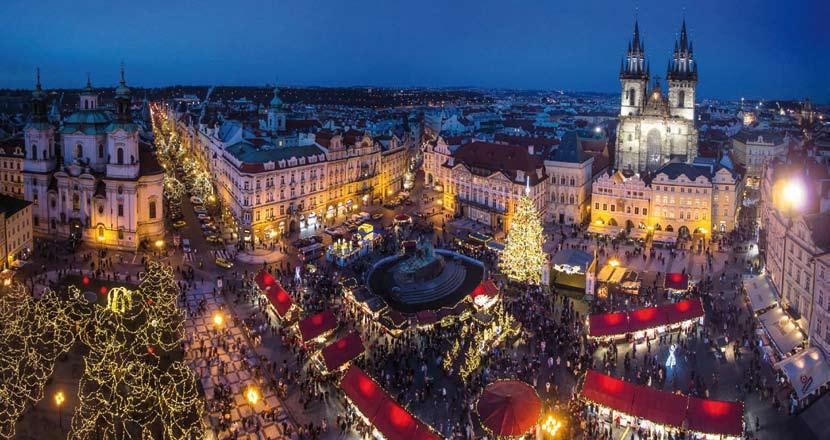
(662, 410)
(279, 301)
(377, 408)
(676, 283)
(317, 327)
(760, 293)
(647, 321)
(485, 294)
(509, 408)
(338, 354)
(604, 230)
(572, 270)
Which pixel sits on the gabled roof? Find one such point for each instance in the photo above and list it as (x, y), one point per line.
(508, 159)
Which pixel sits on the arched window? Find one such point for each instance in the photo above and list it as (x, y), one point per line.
(152, 209)
(681, 99)
(562, 198)
(119, 156)
(572, 199)
(79, 151)
(86, 105)
(34, 151)
(631, 96)
(101, 151)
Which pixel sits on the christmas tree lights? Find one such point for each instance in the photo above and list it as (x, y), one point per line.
(523, 257)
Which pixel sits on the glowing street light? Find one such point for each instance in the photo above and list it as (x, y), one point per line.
(218, 319)
(793, 194)
(614, 262)
(59, 399)
(252, 395)
(159, 244)
(551, 426)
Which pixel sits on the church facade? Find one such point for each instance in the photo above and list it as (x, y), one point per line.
(92, 179)
(655, 128)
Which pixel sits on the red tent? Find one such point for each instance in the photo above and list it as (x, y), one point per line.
(486, 288)
(343, 350)
(676, 281)
(316, 325)
(715, 416)
(509, 408)
(684, 310)
(608, 391)
(644, 319)
(606, 324)
(386, 415)
(426, 317)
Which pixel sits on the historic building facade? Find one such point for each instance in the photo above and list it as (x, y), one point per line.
(11, 166)
(105, 186)
(655, 128)
(570, 174)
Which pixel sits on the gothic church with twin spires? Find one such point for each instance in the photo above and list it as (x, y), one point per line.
(654, 128)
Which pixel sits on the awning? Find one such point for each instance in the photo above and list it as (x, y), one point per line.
(760, 292)
(316, 325)
(715, 417)
(272, 289)
(392, 420)
(610, 274)
(782, 330)
(638, 234)
(676, 281)
(806, 371)
(486, 288)
(664, 237)
(343, 350)
(619, 323)
(662, 407)
(611, 231)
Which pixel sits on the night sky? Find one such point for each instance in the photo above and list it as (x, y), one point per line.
(752, 48)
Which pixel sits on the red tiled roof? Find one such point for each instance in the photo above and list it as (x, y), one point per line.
(508, 159)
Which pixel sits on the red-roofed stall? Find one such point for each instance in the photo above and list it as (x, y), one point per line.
(619, 324)
(676, 281)
(715, 417)
(378, 409)
(278, 298)
(485, 294)
(343, 351)
(316, 326)
(662, 408)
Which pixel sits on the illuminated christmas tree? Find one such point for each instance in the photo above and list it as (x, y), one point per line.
(523, 258)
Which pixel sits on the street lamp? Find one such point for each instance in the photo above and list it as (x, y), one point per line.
(793, 194)
(59, 399)
(252, 395)
(218, 319)
(551, 426)
(159, 244)
(614, 262)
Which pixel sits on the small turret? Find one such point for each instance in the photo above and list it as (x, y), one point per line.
(38, 102)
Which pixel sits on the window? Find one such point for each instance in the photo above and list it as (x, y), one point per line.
(121, 210)
(120, 233)
(79, 151)
(631, 97)
(152, 209)
(101, 151)
(119, 156)
(681, 99)
(596, 205)
(120, 189)
(34, 151)
(645, 211)
(76, 202)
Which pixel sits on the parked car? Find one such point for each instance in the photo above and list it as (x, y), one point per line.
(377, 216)
(215, 239)
(203, 217)
(179, 224)
(196, 200)
(331, 231)
(223, 263)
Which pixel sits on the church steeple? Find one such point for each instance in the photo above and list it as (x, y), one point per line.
(89, 99)
(634, 64)
(123, 100)
(38, 101)
(682, 65)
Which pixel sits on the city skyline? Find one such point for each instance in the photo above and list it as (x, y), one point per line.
(537, 48)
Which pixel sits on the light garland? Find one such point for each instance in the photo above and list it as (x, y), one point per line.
(523, 258)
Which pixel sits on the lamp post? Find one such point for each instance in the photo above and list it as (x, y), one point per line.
(59, 399)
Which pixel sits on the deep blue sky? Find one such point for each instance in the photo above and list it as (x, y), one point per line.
(752, 48)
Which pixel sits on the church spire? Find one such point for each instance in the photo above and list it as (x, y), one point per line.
(38, 100)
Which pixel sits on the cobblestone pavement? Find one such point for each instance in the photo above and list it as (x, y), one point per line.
(229, 367)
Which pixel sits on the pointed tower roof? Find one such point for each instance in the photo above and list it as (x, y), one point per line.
(38, 92)
(276, 102)
(88, 90)
(122, 91)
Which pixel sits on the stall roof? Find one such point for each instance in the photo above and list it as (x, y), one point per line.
(611, 274)
(272, 289)
(487, 288)
(316, 325)
(385, 414)
(664, 237)
(782, 329)
(807, 371)
(608, 230)
(620, 323)
(426, 317)
(342, 351)
(572, 258)
(676, 281)
(715, 416)
(638, 233)
(760, 292)
(663, 407)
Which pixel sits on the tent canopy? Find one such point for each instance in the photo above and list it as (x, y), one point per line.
(806, 371)
(386, 415)
(272, 289)
(663, 407)
(761, 295)
(316, 325)
(782, 330)
(343, 350)
(509, 408)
